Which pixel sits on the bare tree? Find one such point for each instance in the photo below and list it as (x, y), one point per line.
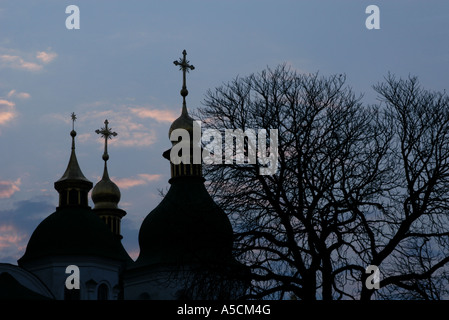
(408, 233)
(355, 186)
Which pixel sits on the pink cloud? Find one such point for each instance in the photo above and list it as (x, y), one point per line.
(134, 139)
(9, 236)
(20, 95)
(158, 115)
(12, 241)
(8, 188)
(131, 133)
(46, 57)
(17, 62)
(6, 116)
(142, 179)
(7, 112)
(6, 103)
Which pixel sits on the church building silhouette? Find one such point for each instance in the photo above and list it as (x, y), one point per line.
(185, 242)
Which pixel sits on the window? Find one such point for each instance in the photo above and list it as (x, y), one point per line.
(73, 197)
(103, 292)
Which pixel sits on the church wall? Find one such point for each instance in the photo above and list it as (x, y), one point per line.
(93, 272)
(153, 284)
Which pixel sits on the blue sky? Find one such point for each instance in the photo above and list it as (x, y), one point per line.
(119, 66)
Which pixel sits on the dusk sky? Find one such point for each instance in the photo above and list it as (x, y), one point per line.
(119, 66)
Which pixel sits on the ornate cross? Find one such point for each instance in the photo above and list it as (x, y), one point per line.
(73, 132)
(107, 134)
(184, 66)
(73, 121)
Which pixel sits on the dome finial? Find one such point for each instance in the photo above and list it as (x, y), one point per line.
(106, 194)
(184, 66)
(107, 134)
(73, 132)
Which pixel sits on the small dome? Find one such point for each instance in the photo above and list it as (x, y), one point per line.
(106, 193)
(184, 121)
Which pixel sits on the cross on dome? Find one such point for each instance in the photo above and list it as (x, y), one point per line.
(185, 67)
(107, 134)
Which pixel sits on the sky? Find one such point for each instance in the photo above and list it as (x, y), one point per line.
(119, 66)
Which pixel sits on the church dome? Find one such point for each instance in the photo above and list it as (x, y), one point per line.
(186, 227)
(106, 193)
(184, 121)
(72, 231)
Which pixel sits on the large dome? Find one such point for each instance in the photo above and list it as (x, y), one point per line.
(186, 227)
(73, 231)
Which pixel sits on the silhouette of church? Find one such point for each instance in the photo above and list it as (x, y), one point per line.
(185, 242)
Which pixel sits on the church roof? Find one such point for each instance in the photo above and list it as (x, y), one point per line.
(73, 173)
(75, 231)
(186, 227)
(11, 289)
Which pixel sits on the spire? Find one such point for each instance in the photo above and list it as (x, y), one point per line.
(187, 123)
(73, 185)
(184, 66)
(106, 194)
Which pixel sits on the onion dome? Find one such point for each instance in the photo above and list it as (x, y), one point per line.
(73, 230)
(186, 227)
(106, 194)
(184, 121)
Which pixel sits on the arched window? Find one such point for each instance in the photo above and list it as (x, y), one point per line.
(83, 198)
(73, 196)
(103, 292)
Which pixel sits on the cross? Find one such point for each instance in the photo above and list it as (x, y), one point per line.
(184, 66)
(73, 121)
(73, 132)
(106, 133)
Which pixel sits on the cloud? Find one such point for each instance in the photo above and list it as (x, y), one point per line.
(8, 188)
(131, 129)
(10, 236)
(11, 58)
(131, 133)
(12, 243)
(17, 62)
(46, 57)
(6, 103)
(7, 111)
(142, 179)
(156, 114)
(20, 95)
(18, 223)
